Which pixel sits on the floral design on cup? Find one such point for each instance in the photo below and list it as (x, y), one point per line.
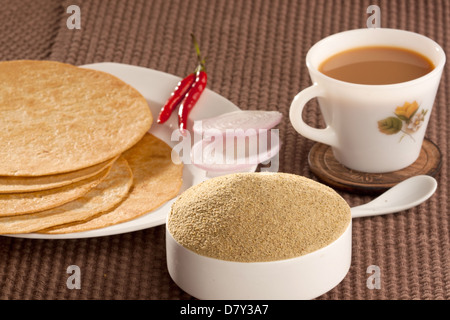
(408, 119)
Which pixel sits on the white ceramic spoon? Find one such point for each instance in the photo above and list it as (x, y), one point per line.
(405, 195)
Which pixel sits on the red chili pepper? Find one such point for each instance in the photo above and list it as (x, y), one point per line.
(177, 96)
(191, 99)
(187, 92)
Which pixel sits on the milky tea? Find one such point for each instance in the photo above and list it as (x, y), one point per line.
(376, 65)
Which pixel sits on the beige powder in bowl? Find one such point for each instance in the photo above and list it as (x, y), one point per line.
(256, 217)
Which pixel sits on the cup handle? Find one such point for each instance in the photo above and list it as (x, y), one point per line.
(327, 135)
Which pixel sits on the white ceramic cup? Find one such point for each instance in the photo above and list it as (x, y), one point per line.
(371, 128)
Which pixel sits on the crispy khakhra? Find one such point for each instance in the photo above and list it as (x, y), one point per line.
(156, 180)
(109, 193)
(22, 203)
(29, 184)
(58, 118)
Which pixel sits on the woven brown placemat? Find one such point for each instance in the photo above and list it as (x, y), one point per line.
(256, 51)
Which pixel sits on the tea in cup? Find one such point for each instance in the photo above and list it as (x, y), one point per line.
(375, 88)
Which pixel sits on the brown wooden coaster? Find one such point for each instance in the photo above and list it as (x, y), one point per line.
(324, 165)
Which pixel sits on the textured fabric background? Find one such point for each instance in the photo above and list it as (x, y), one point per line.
(256, 51)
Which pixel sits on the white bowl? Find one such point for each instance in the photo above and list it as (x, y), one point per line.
(305, 277)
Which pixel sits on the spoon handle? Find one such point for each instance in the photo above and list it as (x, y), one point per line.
(405, 195)
(367, 211)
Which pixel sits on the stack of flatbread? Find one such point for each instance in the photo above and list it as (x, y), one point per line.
(75, 152)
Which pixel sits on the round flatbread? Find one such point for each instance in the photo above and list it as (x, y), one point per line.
(58, 118)
(30, 202)
(30, 184)
(110, 192)
(156, 180)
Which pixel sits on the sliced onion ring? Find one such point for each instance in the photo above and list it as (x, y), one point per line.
(228, 153)
(242, 120)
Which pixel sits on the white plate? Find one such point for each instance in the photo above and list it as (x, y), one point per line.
(156, 87)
